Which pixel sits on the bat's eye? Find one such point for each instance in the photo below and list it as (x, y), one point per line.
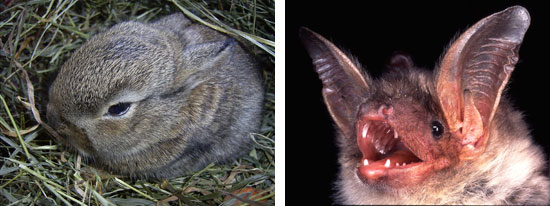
(437, 129)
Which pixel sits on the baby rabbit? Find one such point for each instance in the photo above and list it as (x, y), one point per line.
(450, 136)
(158, 99)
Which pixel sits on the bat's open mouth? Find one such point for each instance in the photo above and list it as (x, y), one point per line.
(385, 155)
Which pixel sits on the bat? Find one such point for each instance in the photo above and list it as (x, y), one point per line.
(443, 136)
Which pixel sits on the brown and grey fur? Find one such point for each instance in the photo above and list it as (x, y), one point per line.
(509, 172)
(508, 169)
(196, 97)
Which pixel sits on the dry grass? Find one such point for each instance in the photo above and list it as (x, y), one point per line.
(38, 36)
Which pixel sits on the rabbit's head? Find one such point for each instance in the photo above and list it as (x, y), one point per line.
(157, 99)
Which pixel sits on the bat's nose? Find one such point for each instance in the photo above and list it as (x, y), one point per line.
(376, 112)
(385, 110)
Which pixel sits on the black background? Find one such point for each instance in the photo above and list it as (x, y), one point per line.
(372, 32)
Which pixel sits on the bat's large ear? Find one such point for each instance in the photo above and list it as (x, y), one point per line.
(473, 73)
(345, 87)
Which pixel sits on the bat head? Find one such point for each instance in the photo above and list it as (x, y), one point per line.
(411, 123)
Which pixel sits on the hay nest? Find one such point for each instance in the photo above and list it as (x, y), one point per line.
(38, 36)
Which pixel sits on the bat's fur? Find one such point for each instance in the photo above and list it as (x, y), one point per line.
(472, 146)
(509, 172)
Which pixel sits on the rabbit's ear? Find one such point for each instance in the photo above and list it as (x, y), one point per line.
(207, 55)
(345, 87)
(473, 73)
(176, 22)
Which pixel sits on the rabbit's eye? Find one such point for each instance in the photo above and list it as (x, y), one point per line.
(119, 109)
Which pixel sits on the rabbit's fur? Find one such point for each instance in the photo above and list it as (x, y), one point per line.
(195, 97)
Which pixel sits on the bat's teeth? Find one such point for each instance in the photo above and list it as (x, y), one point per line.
(365, 131)
(395, 135)
(365, 162)
(388, 163)
(397, 164)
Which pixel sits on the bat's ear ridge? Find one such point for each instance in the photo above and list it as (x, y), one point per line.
(400, 61)
(474, 72)
(345, 85)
